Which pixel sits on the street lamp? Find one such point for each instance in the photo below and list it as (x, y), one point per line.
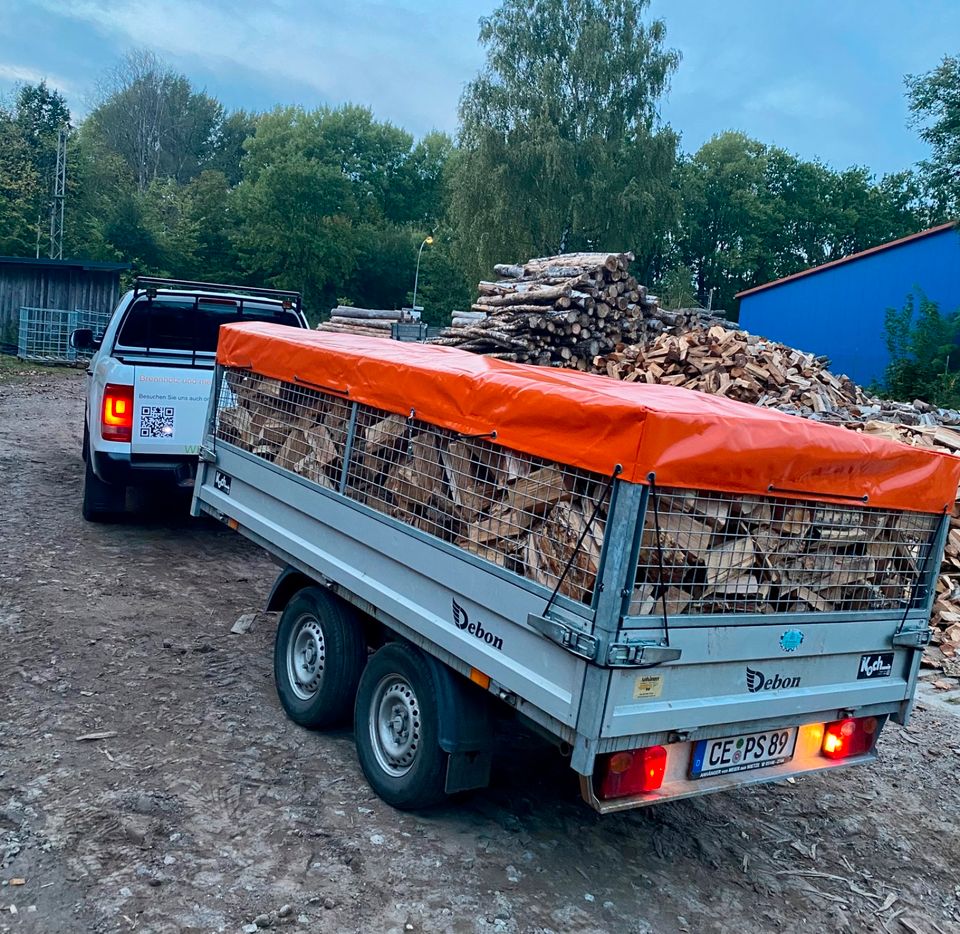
(427, 239)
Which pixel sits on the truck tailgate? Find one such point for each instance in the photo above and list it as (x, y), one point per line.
(170, 407)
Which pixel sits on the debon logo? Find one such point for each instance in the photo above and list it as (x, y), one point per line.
(754, 680)
(462, 621)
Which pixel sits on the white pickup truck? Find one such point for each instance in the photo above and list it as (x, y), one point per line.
(150, 380)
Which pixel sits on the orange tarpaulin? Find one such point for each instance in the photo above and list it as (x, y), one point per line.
(688, 439)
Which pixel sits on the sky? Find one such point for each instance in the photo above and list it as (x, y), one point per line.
(822, 78)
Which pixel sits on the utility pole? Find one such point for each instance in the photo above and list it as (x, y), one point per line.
(59, 196)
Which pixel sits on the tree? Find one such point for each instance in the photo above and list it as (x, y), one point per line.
(29, 135)
(924, 346)
(934, 99)
(561, 147)
(154, 120)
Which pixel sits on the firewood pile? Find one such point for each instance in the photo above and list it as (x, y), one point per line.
(519, 512)
(559, 311)
(367, 322)
(736, 365)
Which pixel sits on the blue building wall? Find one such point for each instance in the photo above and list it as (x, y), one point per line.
(840, 311)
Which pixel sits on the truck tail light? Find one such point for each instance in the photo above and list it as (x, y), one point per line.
(116, 421)
(850, 737)
(634, 772)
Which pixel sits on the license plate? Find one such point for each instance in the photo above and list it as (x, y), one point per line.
(742, 753)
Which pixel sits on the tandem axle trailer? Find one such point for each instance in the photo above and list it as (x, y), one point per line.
(674, 639)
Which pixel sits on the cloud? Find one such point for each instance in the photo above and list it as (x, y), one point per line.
(10, 73)
(405, 62)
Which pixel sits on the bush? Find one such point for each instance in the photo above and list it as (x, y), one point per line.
(924, 347)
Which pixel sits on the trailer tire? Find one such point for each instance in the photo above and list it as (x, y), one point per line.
(101, 501)
(318, 656)
(397, 728)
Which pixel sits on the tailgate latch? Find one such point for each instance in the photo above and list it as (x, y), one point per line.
(207, 456)
(627, 654)
(914, 638)
(573, 640)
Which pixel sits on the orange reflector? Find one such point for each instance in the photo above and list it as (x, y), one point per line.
(116, 419)
(478, 677)
(233, 524)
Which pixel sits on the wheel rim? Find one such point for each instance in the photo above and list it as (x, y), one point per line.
(395, 725)
(306, 655)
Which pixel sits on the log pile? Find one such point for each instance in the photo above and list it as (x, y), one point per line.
(366, 322)
(558, 311)
(517, 511)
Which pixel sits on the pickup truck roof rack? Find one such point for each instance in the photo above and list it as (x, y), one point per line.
(145, 283)
(150, 285)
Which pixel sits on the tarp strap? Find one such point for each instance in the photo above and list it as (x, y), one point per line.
(583, 535)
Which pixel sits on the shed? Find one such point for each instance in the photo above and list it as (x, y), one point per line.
(839, 309)
(65, 284)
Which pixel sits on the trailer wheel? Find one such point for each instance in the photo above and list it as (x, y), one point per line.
(396, 729)
(101, 501)
(318, 656)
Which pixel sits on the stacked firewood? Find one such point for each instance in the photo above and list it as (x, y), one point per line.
(558, 311)
(366, 322)
(517, 511)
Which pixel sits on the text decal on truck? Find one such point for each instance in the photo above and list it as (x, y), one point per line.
(462, 621)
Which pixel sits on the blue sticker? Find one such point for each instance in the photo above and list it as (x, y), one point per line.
(791, 640)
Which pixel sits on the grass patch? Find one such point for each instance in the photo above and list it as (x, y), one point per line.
(14, 370)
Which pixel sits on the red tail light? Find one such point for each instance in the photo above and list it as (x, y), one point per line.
(632, 773)
(116, 421)
(850, 737)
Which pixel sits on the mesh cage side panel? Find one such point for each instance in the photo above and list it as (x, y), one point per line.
(517, 511)
(726, 553)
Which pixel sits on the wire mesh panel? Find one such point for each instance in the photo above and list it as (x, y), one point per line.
(726, 553)
(539, 519)
(44, 334)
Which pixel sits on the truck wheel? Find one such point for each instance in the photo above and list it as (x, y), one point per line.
(396, 729)
(101, 501)
(318, 656)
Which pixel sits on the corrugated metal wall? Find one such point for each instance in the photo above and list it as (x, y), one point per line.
(66, 288)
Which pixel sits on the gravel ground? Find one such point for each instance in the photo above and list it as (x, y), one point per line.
(203, 809)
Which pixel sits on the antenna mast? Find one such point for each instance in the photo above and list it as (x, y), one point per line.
(59, 196)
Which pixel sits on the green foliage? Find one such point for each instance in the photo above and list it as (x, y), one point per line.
(924, 347)
(752, 213)
(934, 99)
(676, 289)
(560, 144)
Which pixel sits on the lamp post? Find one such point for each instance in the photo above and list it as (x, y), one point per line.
(427, 239)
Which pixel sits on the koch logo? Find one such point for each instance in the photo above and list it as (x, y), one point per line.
(756, 681)
(878, 665)
(462, 621)
(222, 482)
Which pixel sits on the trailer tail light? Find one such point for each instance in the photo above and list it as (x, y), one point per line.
(634, 772)
(116, 422)
(850, 737)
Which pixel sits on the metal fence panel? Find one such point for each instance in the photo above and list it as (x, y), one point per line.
(44, 335)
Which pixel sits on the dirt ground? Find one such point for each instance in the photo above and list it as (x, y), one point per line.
(203, 809)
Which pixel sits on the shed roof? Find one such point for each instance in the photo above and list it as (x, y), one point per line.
(91, 265)
(848, 259)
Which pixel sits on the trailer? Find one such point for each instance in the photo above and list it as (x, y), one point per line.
(683, 592)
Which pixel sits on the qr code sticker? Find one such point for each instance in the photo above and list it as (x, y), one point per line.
(156, 421)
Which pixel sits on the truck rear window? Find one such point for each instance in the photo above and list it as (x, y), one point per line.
(184, 325)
